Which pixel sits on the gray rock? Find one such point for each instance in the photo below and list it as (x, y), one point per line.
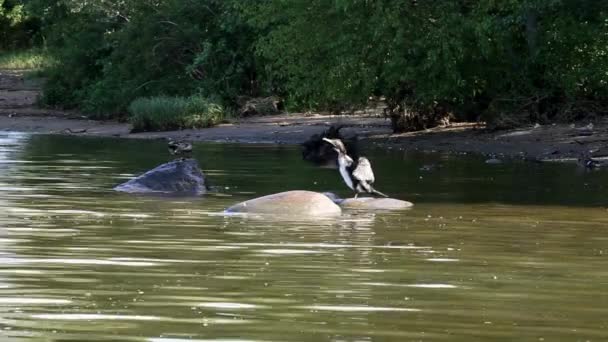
(290, 203)
(179, 177)
(372, 203)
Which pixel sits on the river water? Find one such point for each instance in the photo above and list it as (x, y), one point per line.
(510, 252)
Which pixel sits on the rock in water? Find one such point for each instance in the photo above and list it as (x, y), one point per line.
(290, 203)
(179, 177)
(372, 203)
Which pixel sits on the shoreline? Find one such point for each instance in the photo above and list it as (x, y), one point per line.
(550, 143)
(18, 112)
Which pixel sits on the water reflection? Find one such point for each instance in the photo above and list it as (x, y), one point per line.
(80, 262)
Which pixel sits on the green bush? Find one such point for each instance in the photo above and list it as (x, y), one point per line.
(534, 61)
(26, 59)
(168, 113)
(113, 53)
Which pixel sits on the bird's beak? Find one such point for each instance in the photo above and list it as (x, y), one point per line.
(329, 141)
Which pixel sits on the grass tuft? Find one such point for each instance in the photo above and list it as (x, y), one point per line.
(163, 113)
(26, 59)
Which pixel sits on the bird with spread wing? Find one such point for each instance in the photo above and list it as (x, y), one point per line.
(358, 175)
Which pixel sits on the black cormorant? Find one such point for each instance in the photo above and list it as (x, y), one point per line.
(357, 175)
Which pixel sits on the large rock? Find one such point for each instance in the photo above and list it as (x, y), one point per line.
(290, 203)
(179, 177)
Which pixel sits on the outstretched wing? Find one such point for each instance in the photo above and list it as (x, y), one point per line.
(363, 172)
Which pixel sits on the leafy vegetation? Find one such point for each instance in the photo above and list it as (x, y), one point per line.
(166, 113)
(19, 29)
(505, 62)
(26, 59)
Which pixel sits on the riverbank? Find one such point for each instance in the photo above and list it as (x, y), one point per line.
(18, 112)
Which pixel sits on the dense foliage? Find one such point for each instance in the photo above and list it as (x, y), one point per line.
(18, 29)
(112, 52)
(507, 62)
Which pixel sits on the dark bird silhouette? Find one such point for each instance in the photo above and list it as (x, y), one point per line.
(319, 152)
(358, 175)
(179, 148)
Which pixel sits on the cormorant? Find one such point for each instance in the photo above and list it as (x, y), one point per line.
(357, 175)
(179, 148)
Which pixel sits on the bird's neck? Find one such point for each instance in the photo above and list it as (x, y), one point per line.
(344, 172)
(346, 176)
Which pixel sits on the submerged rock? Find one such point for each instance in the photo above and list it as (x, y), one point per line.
(289, 203)
(178, 177)
(372, 203)
(369, 203)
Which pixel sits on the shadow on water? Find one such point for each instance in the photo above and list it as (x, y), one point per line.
(489, 252)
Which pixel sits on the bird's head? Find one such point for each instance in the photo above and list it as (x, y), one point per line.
(337, 144)
(343, 158)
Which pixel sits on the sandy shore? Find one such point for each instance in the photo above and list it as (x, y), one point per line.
(18, 112)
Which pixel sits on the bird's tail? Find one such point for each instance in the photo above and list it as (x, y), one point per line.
(378, 192)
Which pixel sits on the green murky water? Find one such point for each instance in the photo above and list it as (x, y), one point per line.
(510, 252)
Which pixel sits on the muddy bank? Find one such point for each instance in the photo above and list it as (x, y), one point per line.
(540, 142)
(18, 112)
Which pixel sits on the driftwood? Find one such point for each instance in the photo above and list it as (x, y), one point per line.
(77, 131)
(405, 119)
(271, 105)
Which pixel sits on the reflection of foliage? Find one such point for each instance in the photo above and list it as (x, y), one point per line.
(508, 62)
